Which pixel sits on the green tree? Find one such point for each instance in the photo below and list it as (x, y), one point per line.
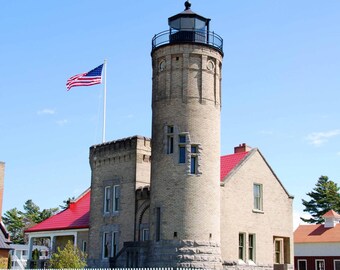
(68, 257)
(14, 221)
(17, 221)
(324, 197)
(66, 203)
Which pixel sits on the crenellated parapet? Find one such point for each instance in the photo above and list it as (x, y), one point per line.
(119, 151)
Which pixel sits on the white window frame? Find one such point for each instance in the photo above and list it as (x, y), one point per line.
(298, 263)
(243, 255)
(281, 251)
(105, 240)
(252, 249)
(316, 264)
(258, 200)
(335, 262)
(114, 244)
(107, 199)
(116, 199)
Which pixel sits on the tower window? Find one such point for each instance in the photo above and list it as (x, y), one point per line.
(181, 154)
(193, 159)
(182, 139)
(170, 140)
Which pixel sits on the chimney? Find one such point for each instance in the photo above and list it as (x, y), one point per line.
(2, 177)
(242, 148)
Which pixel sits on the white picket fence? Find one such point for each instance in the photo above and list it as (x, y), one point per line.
(152, 268)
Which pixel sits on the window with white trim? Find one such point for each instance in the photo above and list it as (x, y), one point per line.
(302, 265)
(319, 264)
(107, 199)
(258, 197)
(336, 264)
(278, 251)
(116, 198)
(251, 247)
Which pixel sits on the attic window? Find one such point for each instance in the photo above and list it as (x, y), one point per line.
(258, 197)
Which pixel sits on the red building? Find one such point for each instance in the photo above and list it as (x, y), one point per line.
(317, 247)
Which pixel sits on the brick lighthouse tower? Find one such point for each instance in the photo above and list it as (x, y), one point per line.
(185, 168)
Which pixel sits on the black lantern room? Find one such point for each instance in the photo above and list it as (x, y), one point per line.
(188, 27)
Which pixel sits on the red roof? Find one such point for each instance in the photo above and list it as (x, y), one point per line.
(316, 234)
(74, 217)
(229, 162)
(331, 214)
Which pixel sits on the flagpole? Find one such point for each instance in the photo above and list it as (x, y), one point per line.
(104, 107)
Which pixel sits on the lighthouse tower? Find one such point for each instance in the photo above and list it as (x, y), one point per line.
(185, 168)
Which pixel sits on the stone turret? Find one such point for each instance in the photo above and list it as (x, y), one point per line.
(185, 168)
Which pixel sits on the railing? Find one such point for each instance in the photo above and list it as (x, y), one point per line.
(188, 36)
(21, 263)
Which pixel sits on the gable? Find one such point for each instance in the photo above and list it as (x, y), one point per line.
(76, 216)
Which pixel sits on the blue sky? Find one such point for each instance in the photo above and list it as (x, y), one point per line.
(281, 87)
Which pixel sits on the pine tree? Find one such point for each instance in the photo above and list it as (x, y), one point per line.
(324, 197)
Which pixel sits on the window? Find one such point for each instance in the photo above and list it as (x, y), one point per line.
(302, 264)
(84, 246)
(319, 264)
(182, 139)
(170, 140)
(114, 243)
(251, 247)
(258, 201)
(158, 223)
(193, 160)
(241, 246)
(105, 246)
(182, 154)
(145, 234)
(107, 199)
(336, 265)
(116, 198)
(278, 248)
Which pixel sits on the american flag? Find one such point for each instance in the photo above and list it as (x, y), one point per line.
(86, 79)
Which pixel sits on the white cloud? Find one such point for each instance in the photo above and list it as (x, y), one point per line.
(46, 111)
(62, 122)
(319, 138)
